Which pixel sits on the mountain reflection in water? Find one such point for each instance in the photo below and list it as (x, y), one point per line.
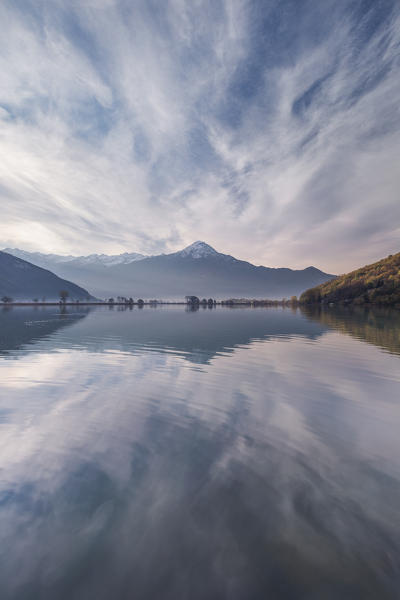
(166, 454)
(379, 326)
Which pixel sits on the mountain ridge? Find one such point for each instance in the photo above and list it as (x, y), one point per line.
(105, 259)
(195, 250)
(22, 280)
(197, 269)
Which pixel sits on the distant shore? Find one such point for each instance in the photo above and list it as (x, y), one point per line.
(153, 303)
(62, 304)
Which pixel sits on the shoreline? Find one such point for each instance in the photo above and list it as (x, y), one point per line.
(62, 304)
(149, 303)
(224, 303)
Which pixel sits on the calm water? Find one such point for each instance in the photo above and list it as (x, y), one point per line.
(217, 454)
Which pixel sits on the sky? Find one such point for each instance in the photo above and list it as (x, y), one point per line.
(269, 129)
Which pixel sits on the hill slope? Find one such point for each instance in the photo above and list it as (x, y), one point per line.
(22, 280)
(378, 283)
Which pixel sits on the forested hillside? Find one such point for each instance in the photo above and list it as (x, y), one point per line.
(378, 283)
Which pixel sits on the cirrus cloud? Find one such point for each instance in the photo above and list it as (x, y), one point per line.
(271, 130)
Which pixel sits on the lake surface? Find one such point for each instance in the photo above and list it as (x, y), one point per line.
(216, 454)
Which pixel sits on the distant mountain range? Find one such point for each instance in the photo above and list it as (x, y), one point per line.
(196, 270)
(106, 260)
(21, 280)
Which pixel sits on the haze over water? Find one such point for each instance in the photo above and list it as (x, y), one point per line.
(223, 453)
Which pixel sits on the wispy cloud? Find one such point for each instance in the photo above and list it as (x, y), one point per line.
(271, 130)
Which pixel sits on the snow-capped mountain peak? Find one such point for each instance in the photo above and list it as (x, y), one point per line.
(106, 260)
(109, 260)
(197, 250)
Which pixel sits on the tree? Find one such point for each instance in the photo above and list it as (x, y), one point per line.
(193, 300)
(6, 299)
(64, 295)
(140, 302)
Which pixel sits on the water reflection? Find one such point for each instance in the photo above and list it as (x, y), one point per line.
(26, 325)
(198, 336)
(198, 339)
(271, 471)
(379, 326)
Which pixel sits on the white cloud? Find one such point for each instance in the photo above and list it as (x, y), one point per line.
(123, 128)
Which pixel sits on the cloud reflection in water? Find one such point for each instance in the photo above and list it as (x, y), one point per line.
(267, 468)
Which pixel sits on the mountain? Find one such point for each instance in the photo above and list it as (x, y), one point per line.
(198, 250)
(378, 283)
(44, 260)
(202, 271)
(196, 270)
(21, 280)
(94, 271)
